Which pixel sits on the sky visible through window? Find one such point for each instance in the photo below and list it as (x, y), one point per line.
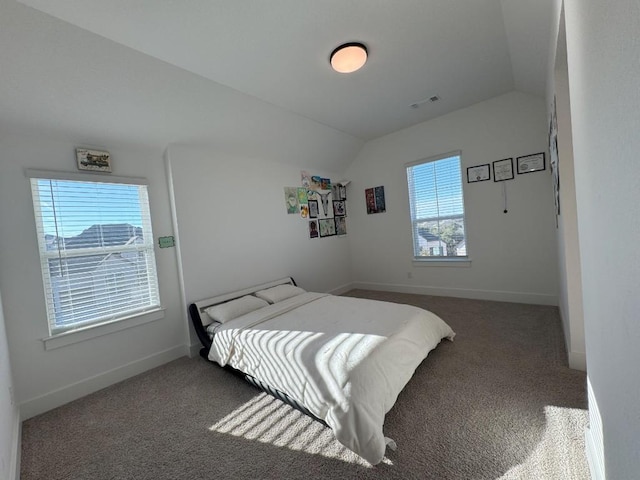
(79, 205)
(438, 188)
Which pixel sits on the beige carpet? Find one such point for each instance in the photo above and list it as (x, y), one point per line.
(497, 403)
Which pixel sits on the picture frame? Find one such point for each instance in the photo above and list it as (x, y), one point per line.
(313, 208)
(93, 160)
(341, 225)
(478, 173)
(327, 227)
(313, 229)
(531, 163)
(339, 208)
(503, 170)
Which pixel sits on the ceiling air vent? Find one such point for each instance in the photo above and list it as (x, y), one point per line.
(432, 99)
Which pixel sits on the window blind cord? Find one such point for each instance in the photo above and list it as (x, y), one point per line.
(55, 220)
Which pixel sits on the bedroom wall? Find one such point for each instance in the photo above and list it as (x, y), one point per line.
(513, 255)
(9, 415)
(233, 228)
(602, 46)
(570, 288)
(45, 379)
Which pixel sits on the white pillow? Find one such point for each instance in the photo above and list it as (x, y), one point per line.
(279, 293)
(235, 308)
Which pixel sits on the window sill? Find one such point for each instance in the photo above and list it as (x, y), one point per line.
(442, 262)
(93, 331)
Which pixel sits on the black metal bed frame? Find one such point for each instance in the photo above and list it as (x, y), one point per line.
(203, 336)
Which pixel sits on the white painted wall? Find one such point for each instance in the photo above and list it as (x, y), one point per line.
(513, 255)
(603, 51)
(45, 379)
(9, 414)
(570, 291)
(233, 228)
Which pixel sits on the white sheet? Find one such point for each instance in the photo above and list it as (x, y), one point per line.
(345, 359)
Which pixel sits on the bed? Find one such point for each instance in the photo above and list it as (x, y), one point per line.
(341, 360)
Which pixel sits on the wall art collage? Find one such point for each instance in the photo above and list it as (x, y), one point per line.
(321, 202)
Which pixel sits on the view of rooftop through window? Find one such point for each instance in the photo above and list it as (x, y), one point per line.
(437, 208)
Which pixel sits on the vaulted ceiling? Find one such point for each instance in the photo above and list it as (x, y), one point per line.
(277, 51)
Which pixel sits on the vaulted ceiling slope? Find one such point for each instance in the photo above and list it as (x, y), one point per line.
(464, 51)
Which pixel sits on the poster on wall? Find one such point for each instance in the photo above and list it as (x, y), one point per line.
(374, 198)
(291, 199)
(302, 196)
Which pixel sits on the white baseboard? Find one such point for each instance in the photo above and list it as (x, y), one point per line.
(578, 361)
(494, 295)
(58, 397)
(341, 289)
(14, 469)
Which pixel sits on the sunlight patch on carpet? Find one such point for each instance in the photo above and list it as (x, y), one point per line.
(267, 420)
(561, 449)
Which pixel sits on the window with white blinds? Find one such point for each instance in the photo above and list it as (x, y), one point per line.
(96, 251)
(437, 207)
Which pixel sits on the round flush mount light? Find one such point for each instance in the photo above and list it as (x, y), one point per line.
(348, 57)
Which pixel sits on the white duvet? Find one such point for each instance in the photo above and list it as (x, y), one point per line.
(345, 359)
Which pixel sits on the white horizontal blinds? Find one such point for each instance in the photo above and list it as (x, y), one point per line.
(437, 208)
(96, 251)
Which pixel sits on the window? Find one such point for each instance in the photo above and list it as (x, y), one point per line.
(96, 249)
(437, 208)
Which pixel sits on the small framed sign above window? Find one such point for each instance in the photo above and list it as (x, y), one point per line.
(93, 160)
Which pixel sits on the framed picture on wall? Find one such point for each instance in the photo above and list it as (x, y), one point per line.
(327, 227)
(503, 170)
(479, 173)
(313, 229)
(313, 208)
(339, 208)
(531, 163)
(93, 160)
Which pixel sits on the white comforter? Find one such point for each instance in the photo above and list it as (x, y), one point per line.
(345, 359)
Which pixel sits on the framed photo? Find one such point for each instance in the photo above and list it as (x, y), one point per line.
(313, 208)
(327, 227)
(531, 163)
(479, 173)
(341, 225)
(93, 160)
(342, 192)
(339, 208)
(313, 229)
(503, 170)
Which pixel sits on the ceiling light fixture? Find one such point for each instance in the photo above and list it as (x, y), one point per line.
(348, 57)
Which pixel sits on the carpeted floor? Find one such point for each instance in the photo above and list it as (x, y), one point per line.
(497, 403)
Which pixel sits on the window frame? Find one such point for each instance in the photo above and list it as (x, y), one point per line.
(86, 329)
(440, 261)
